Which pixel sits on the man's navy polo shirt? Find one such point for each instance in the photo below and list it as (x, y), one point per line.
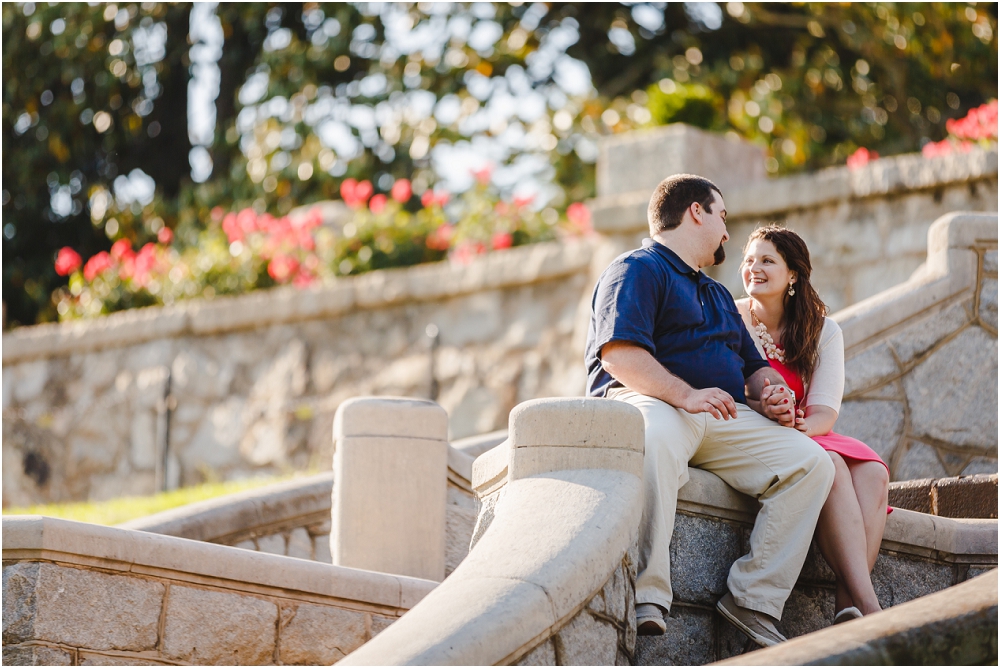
(686, 320)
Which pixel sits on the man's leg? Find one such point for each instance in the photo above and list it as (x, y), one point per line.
(672, 436)
(791, 475)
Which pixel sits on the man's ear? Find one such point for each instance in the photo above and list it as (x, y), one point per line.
(696, 211)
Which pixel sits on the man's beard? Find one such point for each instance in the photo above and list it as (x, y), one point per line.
(720, 255)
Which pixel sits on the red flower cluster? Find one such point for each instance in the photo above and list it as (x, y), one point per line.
(860, 158)
(579, 216)
(440, 239)
(979, 123)
(67, 261)
(430, 198)
(287, 245)
(356, 194)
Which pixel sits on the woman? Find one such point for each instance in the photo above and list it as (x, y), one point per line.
(787, 320)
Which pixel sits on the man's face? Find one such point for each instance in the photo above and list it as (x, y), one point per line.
(714, 227)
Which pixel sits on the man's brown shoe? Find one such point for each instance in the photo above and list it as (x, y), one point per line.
(649, 620)
(755, 625)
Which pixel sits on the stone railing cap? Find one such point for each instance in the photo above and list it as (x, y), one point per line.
(390, 416)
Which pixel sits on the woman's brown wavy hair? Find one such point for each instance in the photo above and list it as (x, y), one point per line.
(804, 311)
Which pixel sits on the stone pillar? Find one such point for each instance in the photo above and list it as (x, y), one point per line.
(638, 161)
(390, 486)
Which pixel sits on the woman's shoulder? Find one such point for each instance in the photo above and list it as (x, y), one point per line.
(743, 305)
(830, 329)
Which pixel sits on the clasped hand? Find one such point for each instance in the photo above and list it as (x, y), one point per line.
(779, 404)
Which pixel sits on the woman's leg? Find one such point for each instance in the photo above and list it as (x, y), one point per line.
(871, 485)
(840, 534)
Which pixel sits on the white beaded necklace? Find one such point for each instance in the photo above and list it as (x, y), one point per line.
(770, 348)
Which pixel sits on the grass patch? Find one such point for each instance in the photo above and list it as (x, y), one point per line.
(116, 511)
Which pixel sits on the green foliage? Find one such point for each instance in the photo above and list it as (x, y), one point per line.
(812, 82)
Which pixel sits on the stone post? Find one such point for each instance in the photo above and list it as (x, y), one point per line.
(390, 486)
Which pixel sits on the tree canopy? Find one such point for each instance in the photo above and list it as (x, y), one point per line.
(98, 142)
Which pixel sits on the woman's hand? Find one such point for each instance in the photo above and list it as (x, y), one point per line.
(800, 421)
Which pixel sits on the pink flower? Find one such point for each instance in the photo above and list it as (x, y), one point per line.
(521, 202)
(165, 235)
(303, 279)
(232, 228)
(579, 215)
(431, 198)
(401, 191)
(217, 213)
(143, 264)
(502, 240)
(860, 158)
(363, 191)
(282, 267)
(483, 174)
(347, 188)
(97, 265)
(377, 204)
(122, 250)
(935, 149)
(67, 261)
(440, 239)
(467, 250)
(501, 208)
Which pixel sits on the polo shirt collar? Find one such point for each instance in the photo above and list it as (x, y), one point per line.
(675, 261)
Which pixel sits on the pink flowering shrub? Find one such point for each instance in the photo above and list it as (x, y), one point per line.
(241, 251)
(979, 126)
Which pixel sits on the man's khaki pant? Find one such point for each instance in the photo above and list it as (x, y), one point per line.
(786, 470)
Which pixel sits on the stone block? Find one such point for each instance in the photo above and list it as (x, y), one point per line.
(921, 336)
(638, 161)
(970, 497)
(868, 369)
(380, 623)
(273, 544)
(210, 627)
(990, 262)
(586, 641)
(543, 655)
(879, 424)
(919, 461)
(616, 594)
(815, 570)
(952, 394)
(20, 605)
(216, 441)
(142, 447)
(808, 609)
(300, 544)
(35, 655)
(988, 302)
(912, 494)
(899, 579)
(688, 641)
(246, 545)
(701, 552)
(980, 465)
(84, 608)
(319, 635)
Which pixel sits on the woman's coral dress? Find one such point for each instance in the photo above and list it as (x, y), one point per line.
(845, 446)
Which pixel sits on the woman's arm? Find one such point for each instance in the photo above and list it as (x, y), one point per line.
(817, 420)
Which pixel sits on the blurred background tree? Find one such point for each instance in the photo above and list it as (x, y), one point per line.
(110, 130)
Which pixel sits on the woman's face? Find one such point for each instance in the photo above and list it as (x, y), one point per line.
(764, 271)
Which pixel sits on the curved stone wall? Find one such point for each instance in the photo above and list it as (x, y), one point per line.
(921, 359)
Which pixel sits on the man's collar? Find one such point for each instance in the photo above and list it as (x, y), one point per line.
(673, 258)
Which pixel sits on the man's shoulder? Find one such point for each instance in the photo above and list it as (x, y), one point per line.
(643, 258)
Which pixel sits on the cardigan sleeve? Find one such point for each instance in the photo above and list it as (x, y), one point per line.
(827, 385)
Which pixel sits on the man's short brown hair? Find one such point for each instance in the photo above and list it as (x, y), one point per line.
(672, 198)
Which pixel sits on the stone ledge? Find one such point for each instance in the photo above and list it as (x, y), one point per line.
(523, 265)
(950, 271)
(625, 213)
(962, 497)
(35, 538)
(226, 519)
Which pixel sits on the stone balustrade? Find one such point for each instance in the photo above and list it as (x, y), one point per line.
(80, 594)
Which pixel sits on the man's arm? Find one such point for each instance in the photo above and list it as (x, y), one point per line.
(636, 369)
(768, 394)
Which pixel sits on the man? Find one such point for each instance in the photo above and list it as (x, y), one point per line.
(667, 339)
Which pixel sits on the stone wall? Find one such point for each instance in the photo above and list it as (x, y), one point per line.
(252, 383)
(77, 594)
(921, 359)
(161, 397)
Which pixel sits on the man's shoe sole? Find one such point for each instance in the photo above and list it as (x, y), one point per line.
(651, 627)
(763, 641)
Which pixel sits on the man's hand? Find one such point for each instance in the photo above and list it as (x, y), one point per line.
(778, 403)
(710, 400)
